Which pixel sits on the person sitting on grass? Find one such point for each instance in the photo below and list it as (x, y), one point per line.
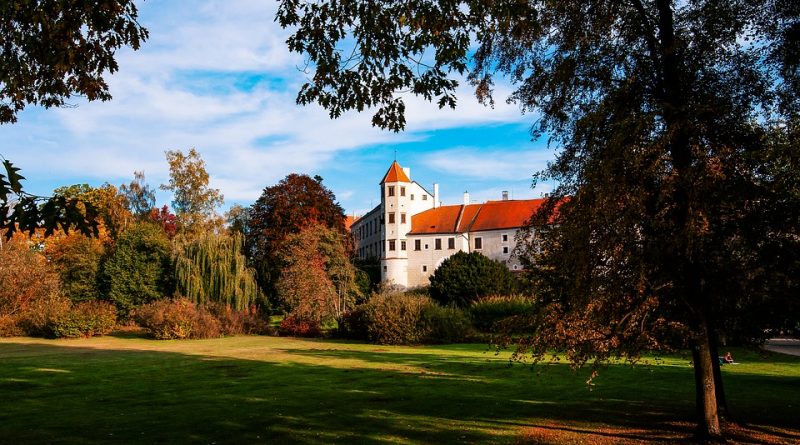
(727, 358)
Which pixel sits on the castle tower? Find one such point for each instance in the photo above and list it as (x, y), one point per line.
(396, 206)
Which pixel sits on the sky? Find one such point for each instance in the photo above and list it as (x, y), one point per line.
(216, 76)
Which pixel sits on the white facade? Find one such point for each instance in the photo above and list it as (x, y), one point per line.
(412, 234)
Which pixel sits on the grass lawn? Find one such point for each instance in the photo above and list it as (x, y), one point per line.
(282, 390)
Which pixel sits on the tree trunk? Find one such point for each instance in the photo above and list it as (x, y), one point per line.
(708, 419)
(719, 389)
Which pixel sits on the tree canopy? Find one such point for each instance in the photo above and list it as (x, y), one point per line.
(465, 277)
(296, 202)
(663, 111)
(194, 201)
(51, 50)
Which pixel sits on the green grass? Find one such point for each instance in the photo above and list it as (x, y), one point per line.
(281, 390)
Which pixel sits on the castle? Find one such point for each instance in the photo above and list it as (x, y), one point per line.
(411, 233)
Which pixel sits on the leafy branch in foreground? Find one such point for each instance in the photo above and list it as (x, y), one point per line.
(25, 212)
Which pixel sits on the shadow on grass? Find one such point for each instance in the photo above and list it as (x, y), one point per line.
(59, 394)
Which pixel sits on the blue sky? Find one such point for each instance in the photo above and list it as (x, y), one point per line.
(215, 75)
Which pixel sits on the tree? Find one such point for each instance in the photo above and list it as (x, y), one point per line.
(295, 203)
(77, 259)
(140, 270)
(654, 105)
(464, 277)
(237, 219)
(317, 280)
(141, 198)
(213, 269)
(50, 50)
(22, 211)
(105, 200)
(194, 201)
(166, 220)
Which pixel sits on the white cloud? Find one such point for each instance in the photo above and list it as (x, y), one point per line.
(174, 94)
(515, 163)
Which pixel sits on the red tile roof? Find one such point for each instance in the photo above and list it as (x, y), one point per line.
(496, 215)
(349, 220)
(395, 174)
(492, 215)
(439, 220)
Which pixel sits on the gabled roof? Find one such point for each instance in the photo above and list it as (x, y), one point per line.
(439, 220)
(492, 215)
(495, 215)
(395, 174)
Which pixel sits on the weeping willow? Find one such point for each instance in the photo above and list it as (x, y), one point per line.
(212, 269)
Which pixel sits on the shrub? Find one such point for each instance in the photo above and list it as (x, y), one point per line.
(233, 322)
(25, 278)
(140, 269)
(394, 318)
(296, 326)
(352, 324)
(444, 324)
(487, 312)
(176, 319)
(465, 277)
(85, 319)
(9, 326)
(37, 320)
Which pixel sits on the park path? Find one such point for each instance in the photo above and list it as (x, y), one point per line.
(789, 346)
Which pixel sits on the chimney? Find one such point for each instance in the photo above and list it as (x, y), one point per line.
(435, 195)
(466, 198)
(407, 171)
(505, 195)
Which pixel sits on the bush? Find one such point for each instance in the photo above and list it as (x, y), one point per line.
(444, 324)
(296, 326)
(9, 326)
(25, 279)
(177, 319)
(465, 277)
(85, 319)
(487, 312)
(394, 318)
(37, 320)
(233, 322)
(352, 324)
(140, 270)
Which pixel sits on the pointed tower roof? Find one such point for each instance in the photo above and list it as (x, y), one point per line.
(395, 174)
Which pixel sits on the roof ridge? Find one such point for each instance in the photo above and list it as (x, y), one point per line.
(474, 218)
(458, 220)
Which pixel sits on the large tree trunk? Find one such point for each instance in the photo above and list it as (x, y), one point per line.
(705, 388)
(722, 402)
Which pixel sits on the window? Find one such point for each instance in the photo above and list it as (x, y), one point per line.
(402, 218)
(505, 249)
(391, 218)
(505, 237)
(426, 247)
(402, 191)
(451, 243)
(391, 190)
(424, 197)
(417, 244)
(424, 268)
(412, 196)
(437, 244)
(478, 243)
(384, 268)
(515, 267)
(391, 244)
(403, 245)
